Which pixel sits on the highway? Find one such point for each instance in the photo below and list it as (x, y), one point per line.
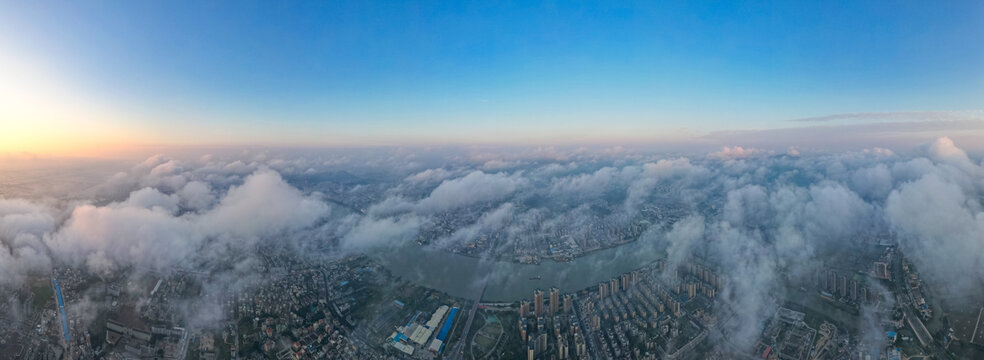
(484, 267)
(331, 304)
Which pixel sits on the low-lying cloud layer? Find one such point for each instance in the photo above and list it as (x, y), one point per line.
(762, 217)
(150, 229)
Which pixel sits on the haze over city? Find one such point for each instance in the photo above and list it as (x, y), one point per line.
(411, 180)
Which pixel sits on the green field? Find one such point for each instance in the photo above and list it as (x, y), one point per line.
(42, 292)
(487, 330)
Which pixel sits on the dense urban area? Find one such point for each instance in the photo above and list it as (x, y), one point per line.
(771, 256)
(354, 308)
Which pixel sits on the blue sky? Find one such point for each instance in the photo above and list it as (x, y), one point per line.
(399, 72)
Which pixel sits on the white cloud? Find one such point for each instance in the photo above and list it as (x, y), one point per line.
(476, 187)
(22, 225)
(196, 195)
(263, 205)
(150, 198)
(106, 238)
(736, 152)
(429, 175)
(371, 232)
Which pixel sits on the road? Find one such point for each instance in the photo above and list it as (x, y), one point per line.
(328, 300)
(922, 333)
(484, 267)
(588, 338)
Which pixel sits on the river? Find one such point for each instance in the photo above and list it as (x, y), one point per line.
(456, 274)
